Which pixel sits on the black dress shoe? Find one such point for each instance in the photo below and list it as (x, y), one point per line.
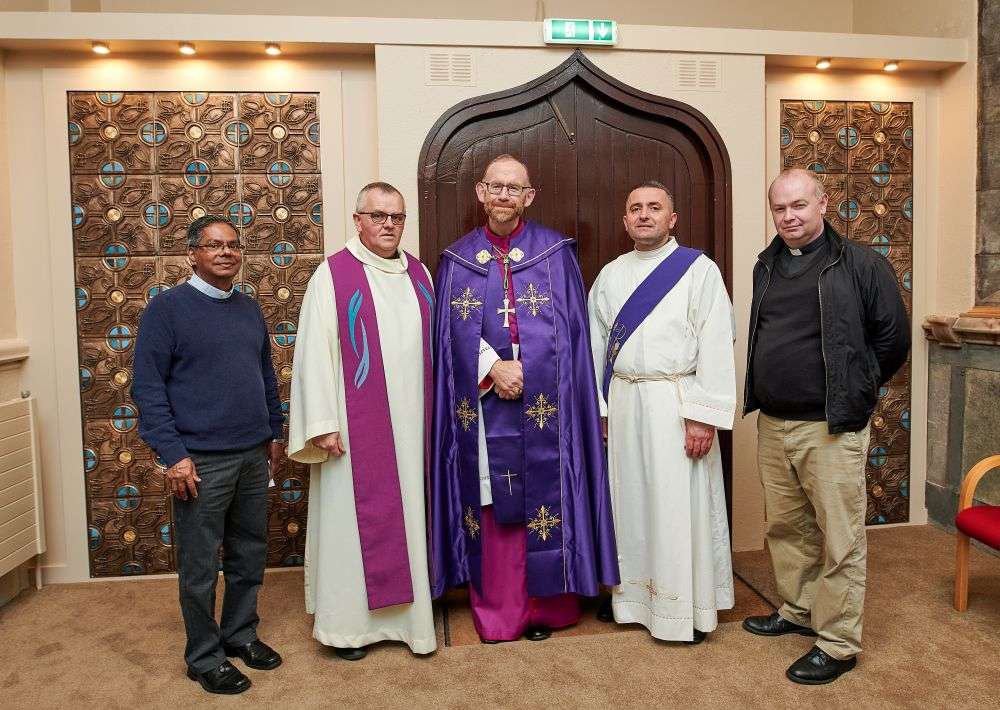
(818, 667)
(255, 654)
(699, 636)
(224, 680)
(537, 633)
(351, 654)
(774, 625)
(604, 611)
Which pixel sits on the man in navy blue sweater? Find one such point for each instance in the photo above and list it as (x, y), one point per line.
(208, 406)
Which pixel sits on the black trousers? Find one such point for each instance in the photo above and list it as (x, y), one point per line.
(230, 511)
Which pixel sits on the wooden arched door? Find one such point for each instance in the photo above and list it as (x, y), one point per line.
(587, 139)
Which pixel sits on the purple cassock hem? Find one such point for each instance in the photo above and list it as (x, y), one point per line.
(504, 610)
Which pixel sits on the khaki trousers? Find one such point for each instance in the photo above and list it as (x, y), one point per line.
(815, 500)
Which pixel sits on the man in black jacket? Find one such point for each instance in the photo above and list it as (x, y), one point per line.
(827, 329)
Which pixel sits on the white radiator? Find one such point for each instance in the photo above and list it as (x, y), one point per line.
(22, 532)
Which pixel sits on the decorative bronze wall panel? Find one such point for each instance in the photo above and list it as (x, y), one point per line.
(863, 153)
(143, 165)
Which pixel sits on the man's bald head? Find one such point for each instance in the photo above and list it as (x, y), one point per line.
(799, 175)
(798, 201)
(506, 159)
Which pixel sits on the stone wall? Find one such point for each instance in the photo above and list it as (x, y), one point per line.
(988, 184)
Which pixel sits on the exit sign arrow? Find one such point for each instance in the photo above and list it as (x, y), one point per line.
(577, 31)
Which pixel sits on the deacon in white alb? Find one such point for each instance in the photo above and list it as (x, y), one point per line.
(361, 388)
(663, 351)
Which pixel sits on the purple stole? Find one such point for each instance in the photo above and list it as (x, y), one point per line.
(377, 496)
(643, 300)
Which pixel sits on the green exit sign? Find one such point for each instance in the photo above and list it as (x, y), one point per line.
(559, 31)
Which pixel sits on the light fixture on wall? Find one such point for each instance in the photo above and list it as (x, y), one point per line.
(823, 63)
(891, 65)
(186, 48)
(100, 48)
(272, 48)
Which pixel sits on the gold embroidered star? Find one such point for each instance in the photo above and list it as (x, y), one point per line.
(466, 302)
(541, 410)
(471, 524)
(534, 298)
(466, 414)
(543, 523)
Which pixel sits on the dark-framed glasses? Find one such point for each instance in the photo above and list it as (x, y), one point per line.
(380, 217)
(214, 247)
(495, 188)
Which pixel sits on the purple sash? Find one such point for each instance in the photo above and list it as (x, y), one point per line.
(377, 496)
(641, 303)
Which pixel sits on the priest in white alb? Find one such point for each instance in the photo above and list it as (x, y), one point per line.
(359, 412)
(662, 334)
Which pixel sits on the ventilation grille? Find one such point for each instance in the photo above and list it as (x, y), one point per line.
(701, 74)
(449, 69)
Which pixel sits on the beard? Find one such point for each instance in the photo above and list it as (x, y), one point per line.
(502, 213)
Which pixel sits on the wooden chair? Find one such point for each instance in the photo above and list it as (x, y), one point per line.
(981, 522)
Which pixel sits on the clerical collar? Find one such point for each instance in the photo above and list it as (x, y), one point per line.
(810, 247)
(208, 289)
(497, 238)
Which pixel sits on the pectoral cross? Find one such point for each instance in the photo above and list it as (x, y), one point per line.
(506, 311)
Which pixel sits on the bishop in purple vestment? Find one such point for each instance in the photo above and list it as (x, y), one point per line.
(519, 502)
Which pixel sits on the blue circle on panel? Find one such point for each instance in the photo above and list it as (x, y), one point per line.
(240, 214)
(75, 132)
(86, 379)
(786, 137)
(89, 460)
(279, 173)
(908, 138)
(79, 215)
(156, 214)
(904, 488)
(292, 561)
(907, 280)
(109, 98)
(155, 290)
(237, 132)
(817, 167)
(849, 210)
(194, 98)
(246, 289)
(284, 409)
(112, 174)
(312, 133)
(283, 254)
(883, 391)
(94, 538)
(908, 208)
(153, 133)
(124, 418)
(284, 334)
(127, 497)
(119, 338)
(878, 456)
(116, 256)
(197, 173)
(278, 99)
(880, 519)
(848, 136)
(814, 106)
(291, 490)
(131, 568)
(904, 419)
(880, 106)
(165, 533)
(880, 174)
(316, 213)
(881, 243)
(82, 298)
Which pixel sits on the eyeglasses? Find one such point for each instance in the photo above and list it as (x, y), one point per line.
(217, 247)
(495, 188)
(379, 217)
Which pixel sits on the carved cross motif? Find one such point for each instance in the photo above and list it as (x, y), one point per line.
(541, 410)
(543, 523)
(466, 302)
(466, 414)
(534, 298)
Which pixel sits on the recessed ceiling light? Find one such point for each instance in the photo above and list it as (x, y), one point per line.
(891, 65)
(100, 48)
(823, 63)
(272, 48)
(186, 48)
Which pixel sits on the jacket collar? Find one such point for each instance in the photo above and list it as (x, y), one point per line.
(829, 233)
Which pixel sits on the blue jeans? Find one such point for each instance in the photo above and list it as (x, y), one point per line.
(230, 511)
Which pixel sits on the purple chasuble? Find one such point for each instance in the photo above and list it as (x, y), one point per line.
(546, 456)
(643, 300)
(377, 496)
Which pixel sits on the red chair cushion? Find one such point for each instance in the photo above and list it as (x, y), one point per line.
(981, 522)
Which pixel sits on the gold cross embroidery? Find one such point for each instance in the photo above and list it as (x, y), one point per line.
(466, 414)
(541, 410)
(471, 524)
(534, 299)
(543, 523)
(651, 589)
(466, 302)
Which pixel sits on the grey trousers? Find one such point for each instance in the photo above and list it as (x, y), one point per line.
(230, 511)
